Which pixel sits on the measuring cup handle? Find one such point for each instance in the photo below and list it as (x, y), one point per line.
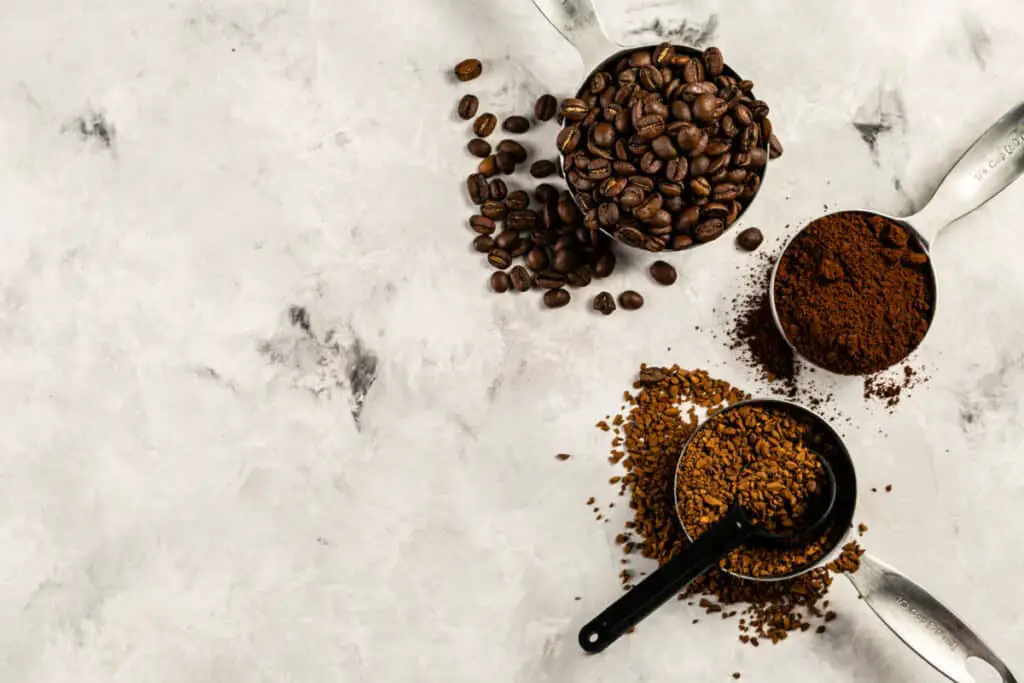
(666, 581)
(578, 23)
(992, 163)
(920, 621)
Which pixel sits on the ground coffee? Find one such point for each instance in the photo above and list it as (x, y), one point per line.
(658, 418)
(853, 293)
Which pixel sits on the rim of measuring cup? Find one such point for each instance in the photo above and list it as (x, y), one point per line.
(922, 242)
(845, 492)
(692, 52)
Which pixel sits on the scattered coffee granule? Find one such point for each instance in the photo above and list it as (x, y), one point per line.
(590, 501)
(862, 529)
(659, 417)
(736, 675)
(888, 488)
(562, 456)
(888, 389)
(854, 293)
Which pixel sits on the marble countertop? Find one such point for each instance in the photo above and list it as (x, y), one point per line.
(264, 423)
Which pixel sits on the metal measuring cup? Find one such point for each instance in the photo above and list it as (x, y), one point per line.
(989, 166)
(927, 627)
(577, 21)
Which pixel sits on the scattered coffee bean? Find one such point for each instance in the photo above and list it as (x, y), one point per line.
(659, 134)
(556, 298)
(513, 148)
(537, 259)
(520, 278)
(545, 108)
(631, 300)
(774, 147)
(488, 167)
(518, 200)
(468, 69)
(494, 210)
(482, 225)
(476, 185)
(604, 303)
(497, 189)
(505, 163)
(499, 258)
(663, 273)
(542, 168)
(483, 243)
(550, 280)
(750, 239)
(516, 125)
(468, 106)
(484, 125)
(500, 281)
(479, 148)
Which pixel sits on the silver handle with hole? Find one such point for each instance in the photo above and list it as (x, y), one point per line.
(920, 621)
(578, 23)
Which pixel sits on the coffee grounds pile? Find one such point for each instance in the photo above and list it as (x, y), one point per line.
(853, 293)
(658, 418)
(756, 457)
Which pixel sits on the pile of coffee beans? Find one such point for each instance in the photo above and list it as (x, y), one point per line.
(664, 148)
(657, 420)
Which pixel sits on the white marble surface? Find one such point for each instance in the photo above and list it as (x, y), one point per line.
(195, 488)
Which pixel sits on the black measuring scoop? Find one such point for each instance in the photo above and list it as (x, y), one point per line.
(732, 531)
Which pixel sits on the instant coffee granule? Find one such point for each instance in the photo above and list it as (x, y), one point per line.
(853, 292)
(657, 419)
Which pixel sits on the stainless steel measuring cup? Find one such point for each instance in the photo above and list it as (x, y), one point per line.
(931, 630)
(988, 167)
(578, 22)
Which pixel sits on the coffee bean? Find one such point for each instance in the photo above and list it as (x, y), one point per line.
(476, 185)
(604, 135)
(700, 187)
(693, 71)
(494, 210)
(599, 169)
(613, 187)
(542, 168)
(521, 220)
(505, 163)
(774, 147)
(516, 125)
(709, 230)
(482, 225)
(608, 214)
(500, 281)
(556, 298)
(713, 60)
(546, 193)
(497, 189)
(468, 69)
(520, 278)
(568, 139)
(545, 108)
(484, 125)
(650, 163)
(650, 127)
(483, 243)
(688, 219)
(574, 109)
(715, 210)
(479, 148)
(537, 259)
(750, 239)
(708, 107)
(550, 280)
(630, 300)
(758, 157)
(604, 265)
(663, 147)
(663, 273)
(499, 258)
(518, 200)
(581, 277)
(512, 148)
(651, 78)
(488, 167)
(604, 303)
(468, 106)
(565, 260)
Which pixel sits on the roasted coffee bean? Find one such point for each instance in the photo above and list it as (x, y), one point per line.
(512, 148)
(750, 239)
(693, 71)
(507, 240)
(604, 303)
(468, 106)
(598, 151)
(476, 185)
(714, 62)
(660, 219)
(708, 107)
(699, 165)
(766, 128)
(651, 78)
(568, 139)
(670, 189)
(715, 210)
(734, 212)
(505, 163)
(630, 300)
(648, 208)
(516, 125)
(605, 264)
(565, 260)
(499, 258)
(650, 127)
(498, 189)
(758, 157)
(550, 280)
(701, 187)
(468, 69)
(488, 167)
(520, 278)
(545, 108)
(524, 245)
(581, 277)
(556, 298)
(774, 147)
(630, 235)
(632, 196)
(725, 192)
(574, 109)
(494, 209)
(604, 135)
(537, 259)
(566, 208)
(650, 163)
(483, 243)
(482, 225)
(663, 147)
(613, 187)
(521, 219)
(691, 91)
(608, 214)
(663, 273)
(599, 169)
(545, 193)
(500, 281)
(484, 125)
(662, 55)
(599, 82)
(542, 168)
(709, 230)
(518, 200)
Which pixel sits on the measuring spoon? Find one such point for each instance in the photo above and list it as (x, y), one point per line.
(988, 167)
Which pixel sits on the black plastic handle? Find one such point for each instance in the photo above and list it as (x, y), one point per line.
(669, 579)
